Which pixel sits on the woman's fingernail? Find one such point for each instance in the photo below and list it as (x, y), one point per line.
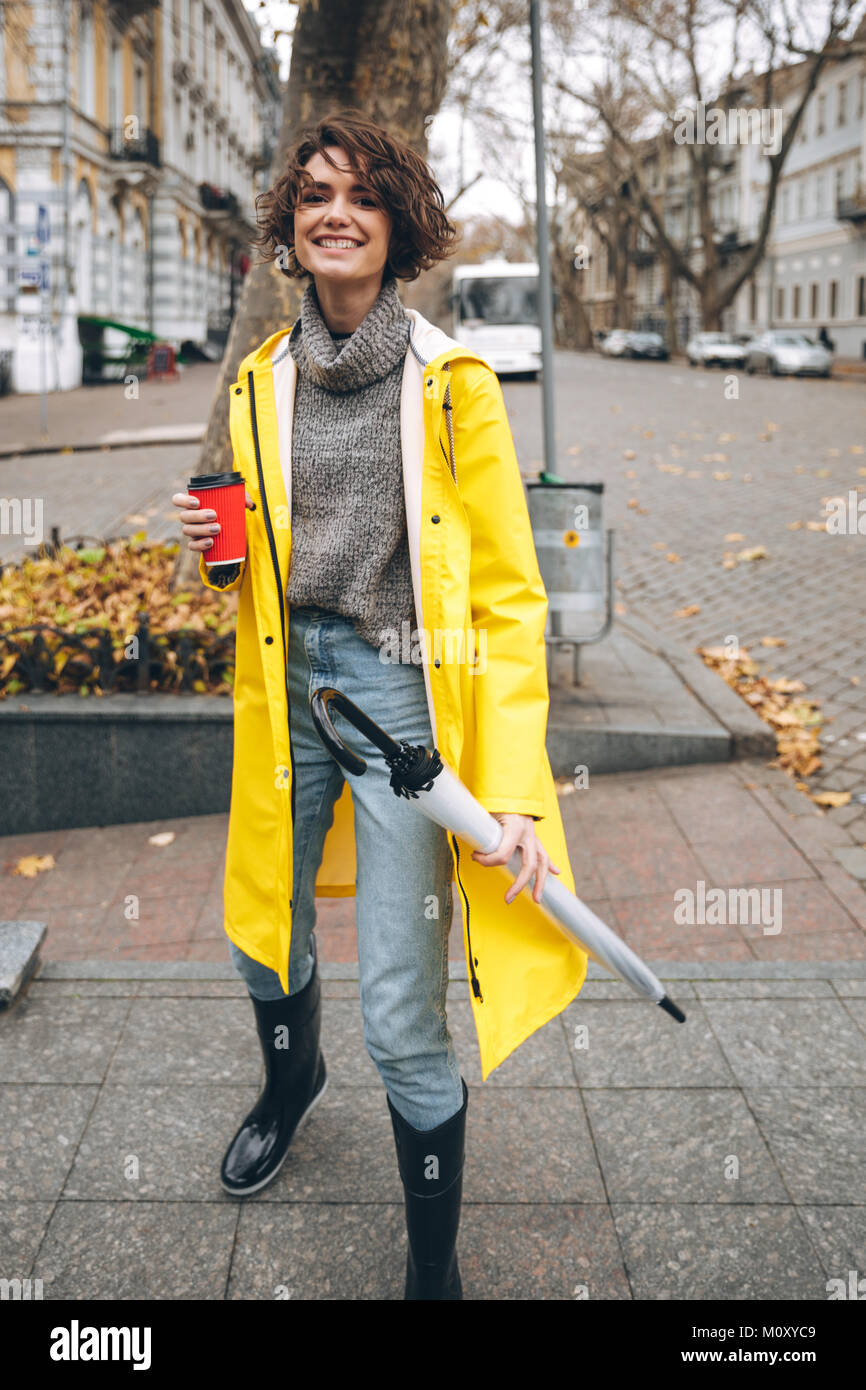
(207, 543)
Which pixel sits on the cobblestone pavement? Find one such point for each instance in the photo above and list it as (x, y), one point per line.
(704, 467)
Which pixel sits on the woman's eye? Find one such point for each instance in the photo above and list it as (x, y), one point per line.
(309, 198)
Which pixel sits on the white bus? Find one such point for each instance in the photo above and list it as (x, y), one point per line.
(495, 307)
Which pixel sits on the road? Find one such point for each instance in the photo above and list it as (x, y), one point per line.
(689, 457)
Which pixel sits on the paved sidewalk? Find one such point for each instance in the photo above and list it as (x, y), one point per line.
(634, 840)
(617, 1155)
(93, 415)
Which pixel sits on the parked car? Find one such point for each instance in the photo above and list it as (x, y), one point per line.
(623, 342)
(647, 345)
(784, 353)
(716, 350)
(616, 343)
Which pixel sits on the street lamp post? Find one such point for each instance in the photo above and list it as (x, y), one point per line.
(544, 281)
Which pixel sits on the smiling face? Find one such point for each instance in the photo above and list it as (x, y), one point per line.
(341, 209)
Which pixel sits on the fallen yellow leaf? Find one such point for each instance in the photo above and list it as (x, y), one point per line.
(773, 642)
(689, 612)
(830, 798)
(33, 864)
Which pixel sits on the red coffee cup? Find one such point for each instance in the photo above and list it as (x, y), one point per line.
(225, 494)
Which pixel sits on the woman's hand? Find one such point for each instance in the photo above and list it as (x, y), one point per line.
(520, 833)
(201, 525)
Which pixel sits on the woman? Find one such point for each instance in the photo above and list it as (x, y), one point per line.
(413, 588)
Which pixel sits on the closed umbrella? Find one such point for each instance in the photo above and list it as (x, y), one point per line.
(422, 775)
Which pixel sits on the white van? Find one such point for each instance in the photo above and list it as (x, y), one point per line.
(496, 313)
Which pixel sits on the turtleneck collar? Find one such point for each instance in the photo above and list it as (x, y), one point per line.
(372, 351)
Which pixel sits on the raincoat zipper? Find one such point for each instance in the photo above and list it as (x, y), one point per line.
(276, 565)
(476, 983)
(446, 406)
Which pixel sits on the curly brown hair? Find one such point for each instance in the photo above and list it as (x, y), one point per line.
(421, 233)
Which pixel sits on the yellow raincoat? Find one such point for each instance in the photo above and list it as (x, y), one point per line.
(475, 574)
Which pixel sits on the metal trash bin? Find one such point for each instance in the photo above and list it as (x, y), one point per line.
(575, 557)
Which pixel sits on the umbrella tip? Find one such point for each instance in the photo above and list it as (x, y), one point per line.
(671, 1008)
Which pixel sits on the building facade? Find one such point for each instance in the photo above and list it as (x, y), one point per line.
(134, 138)
(813, 271)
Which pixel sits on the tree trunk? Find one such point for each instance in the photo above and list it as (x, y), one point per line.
(387, 57)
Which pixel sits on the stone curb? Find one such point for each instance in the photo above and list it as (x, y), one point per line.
(348, 970)
(633, 748)
(118, 439)
(750, 736)
(19, 957)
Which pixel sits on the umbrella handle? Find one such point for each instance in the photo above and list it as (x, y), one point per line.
(320, 704)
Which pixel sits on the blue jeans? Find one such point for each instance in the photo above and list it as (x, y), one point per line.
(404, 868)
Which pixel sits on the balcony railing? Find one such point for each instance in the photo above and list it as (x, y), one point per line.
(851, 207)
(215, 199)
(124, 11)
(732, 239)
(142, 149)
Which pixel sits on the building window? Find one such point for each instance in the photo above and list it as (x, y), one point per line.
(842, 103)
(819, 114)
(861, 98)
(85, 62)
(861, 296)
(801, 198)
(821, 194)
(813, 300)
(115, 85)
(780, 302)
(833, 306)
(785, 214)
(795, 302)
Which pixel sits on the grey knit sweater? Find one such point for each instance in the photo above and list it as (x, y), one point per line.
(350, 551)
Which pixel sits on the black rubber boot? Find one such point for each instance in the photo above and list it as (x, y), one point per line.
(295, 1082)
(431, 1170)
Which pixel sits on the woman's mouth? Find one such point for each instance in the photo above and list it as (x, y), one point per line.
(336, 243)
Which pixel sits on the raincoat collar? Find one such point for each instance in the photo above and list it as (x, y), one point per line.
(429, 344)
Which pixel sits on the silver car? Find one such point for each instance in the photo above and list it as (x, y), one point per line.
(715, 350)
(783, 353)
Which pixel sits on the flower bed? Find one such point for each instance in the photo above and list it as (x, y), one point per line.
(100, 619)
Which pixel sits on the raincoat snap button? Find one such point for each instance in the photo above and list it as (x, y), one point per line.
(237, 390)
(437, 662)
(269, 640)
(435, 518)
